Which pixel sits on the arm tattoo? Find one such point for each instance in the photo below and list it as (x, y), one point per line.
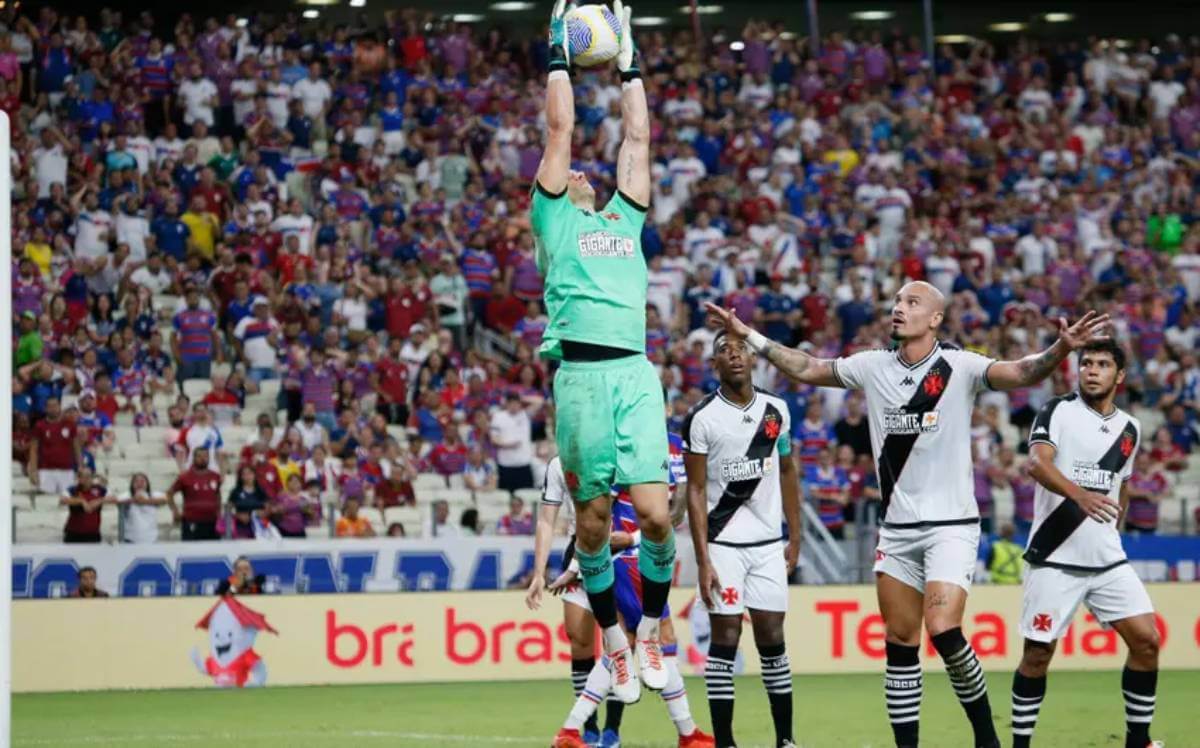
(790, 361)
(1036, 368)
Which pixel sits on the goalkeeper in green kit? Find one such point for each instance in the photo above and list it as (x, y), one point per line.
(611, 423)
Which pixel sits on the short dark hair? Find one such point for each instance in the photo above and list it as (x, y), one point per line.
(85, 570)
(1106, 345)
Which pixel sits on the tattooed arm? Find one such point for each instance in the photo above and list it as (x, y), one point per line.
(1008, 375)
(633, 160)
(791, 361)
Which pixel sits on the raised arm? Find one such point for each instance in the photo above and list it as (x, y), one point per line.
(633, 160)
(791, 361)
(560, 109)
(1008, 375)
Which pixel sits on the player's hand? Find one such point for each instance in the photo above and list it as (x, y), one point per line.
(533, 596)
(563, 581)
(791, 555)
(710, 585)
(558, 30)
(726, 318)
(1098, 506)
(627, 57)
(1090, 326)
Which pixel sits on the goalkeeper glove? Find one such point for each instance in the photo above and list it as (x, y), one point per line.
(560, 48)
(628, 59)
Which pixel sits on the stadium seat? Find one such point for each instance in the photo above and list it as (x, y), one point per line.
(531, 496)
(196, 389)
(494, 498)
(426, 481)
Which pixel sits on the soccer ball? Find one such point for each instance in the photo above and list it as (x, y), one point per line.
(594, 35)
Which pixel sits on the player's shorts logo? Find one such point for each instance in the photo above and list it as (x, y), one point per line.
(879, 555)
(1042, 622)
(729, 596)
(572, 479)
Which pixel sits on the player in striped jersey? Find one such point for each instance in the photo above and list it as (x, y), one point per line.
(1082, 450)
(742, 483)
(591, 680)
(919, 402)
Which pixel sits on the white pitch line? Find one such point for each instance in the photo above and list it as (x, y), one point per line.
(251, 735)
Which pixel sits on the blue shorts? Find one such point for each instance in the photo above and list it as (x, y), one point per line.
(628, 591)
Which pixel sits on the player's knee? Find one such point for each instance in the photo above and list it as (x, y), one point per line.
(655, 523)
(910, 636)
(1035, 660)
(726, 636)
(1144, 647)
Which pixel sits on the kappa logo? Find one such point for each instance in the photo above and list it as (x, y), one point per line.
(1104, 429)
(907, 382)
(665, 466)
(747, 419)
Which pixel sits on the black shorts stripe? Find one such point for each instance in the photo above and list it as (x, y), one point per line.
(931, 523)
(894, 453)
(756, 544)
(1066, 518)
(1076, 567)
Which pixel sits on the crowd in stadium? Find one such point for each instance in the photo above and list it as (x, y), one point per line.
(339, 214)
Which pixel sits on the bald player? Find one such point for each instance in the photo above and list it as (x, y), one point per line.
(919, 399)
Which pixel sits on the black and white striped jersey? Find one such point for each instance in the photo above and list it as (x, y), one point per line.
(744, 446)
(920, 419)
(1095, 452)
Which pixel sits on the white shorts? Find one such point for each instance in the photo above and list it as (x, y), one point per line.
(575, 595)
(943, 553)
(1053, 595)
(56, 482)
(753, 577)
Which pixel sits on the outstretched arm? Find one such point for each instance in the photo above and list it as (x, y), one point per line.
(1008, 375)
(633, 160)
(791, 361)
(560, 109)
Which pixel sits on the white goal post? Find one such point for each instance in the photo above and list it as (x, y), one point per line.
(6, 503)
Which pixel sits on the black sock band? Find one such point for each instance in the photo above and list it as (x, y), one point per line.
(718, 680)
(654, 597)
(902, 686)
(1138, 687)
(604, 607)
(966, 676)
(1027, 695)
(777, 680)
(614, 710)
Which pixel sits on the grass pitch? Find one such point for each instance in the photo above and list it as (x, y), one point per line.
(842, 711)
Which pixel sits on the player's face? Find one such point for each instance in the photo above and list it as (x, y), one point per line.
(580, 191)
(916, 312)
(1098, 375)
(734, 361)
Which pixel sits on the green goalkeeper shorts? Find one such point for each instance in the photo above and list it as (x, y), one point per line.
(611, 425)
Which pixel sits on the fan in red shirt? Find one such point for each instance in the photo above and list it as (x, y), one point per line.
(84, 502)
(56, 449)
(450, 456)
(503, 310)
(201, 490)
(289, 258)
(389, 379)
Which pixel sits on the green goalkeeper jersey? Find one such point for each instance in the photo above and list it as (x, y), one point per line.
(594, 270)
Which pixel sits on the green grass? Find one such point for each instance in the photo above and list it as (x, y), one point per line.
(846, 711)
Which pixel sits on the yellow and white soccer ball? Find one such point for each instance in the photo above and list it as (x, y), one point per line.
(594, 35)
